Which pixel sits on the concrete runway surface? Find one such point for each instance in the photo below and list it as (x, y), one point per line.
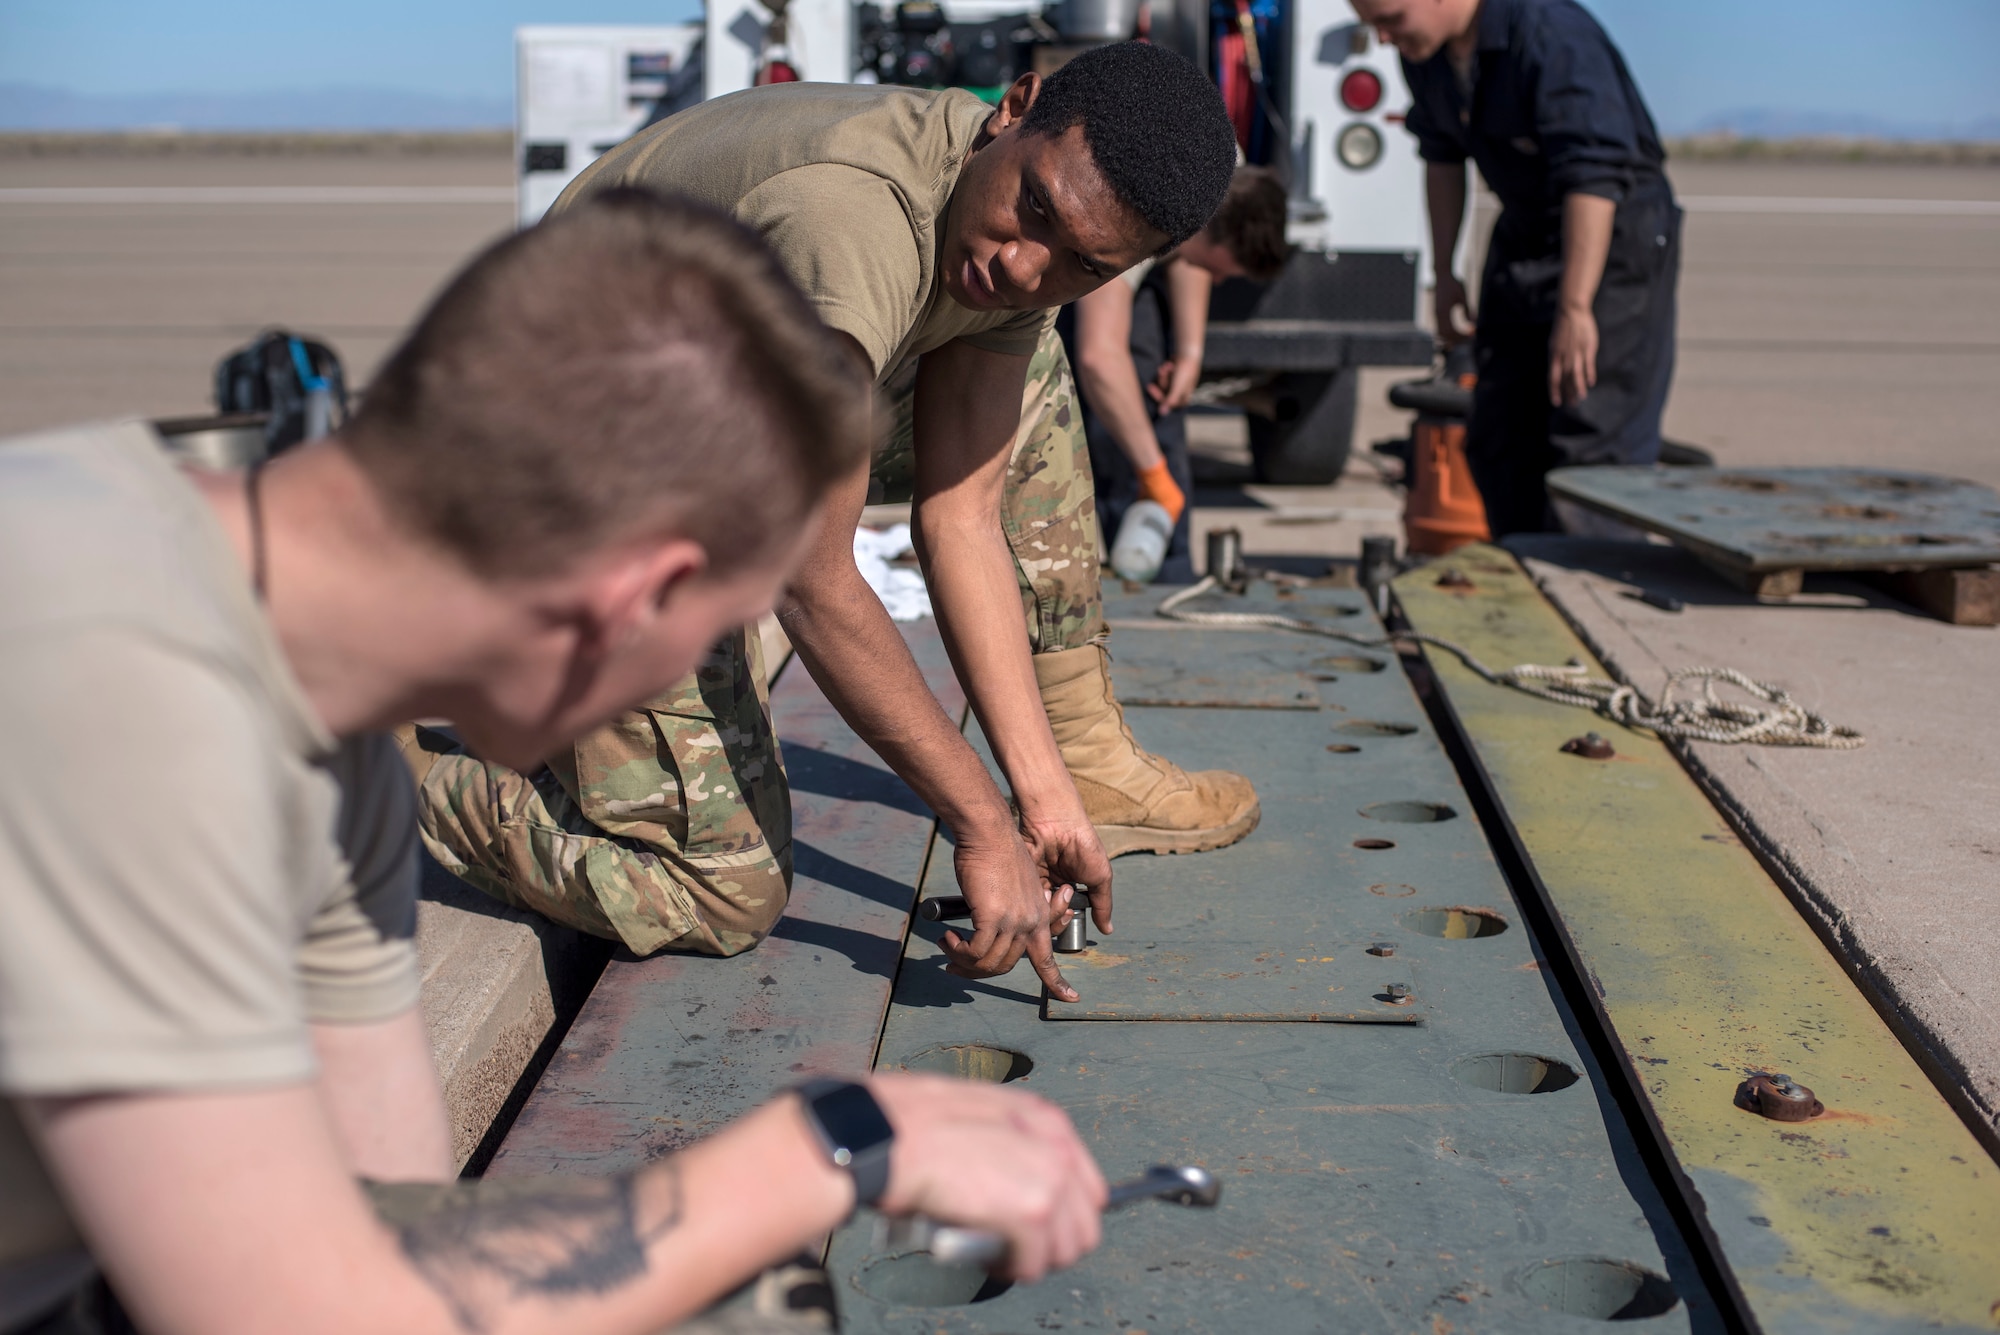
(1816, 324)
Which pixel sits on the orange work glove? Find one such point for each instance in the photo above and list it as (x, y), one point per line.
(1157, 484)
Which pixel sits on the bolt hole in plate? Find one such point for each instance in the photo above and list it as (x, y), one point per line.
(1409, 813)
(1388, 890)
(1601, 1289)
(1342, 748)
(971, 1061)
(1514, 1073)
(1374, 728)
(1350, 663)
(915, 1280)
(1455, 924)
(1742, 482)
(1374, 845)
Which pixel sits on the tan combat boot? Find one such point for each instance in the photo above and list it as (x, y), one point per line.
(1138, 802)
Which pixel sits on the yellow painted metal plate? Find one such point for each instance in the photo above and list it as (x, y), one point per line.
(1882, 1214)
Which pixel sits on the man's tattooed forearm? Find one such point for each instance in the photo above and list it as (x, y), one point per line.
(489, 1244)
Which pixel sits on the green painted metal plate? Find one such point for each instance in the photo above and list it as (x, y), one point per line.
(1240, 981)
(1171, 685)
(1765, 519)
(1377, 1177)
(1151, 664)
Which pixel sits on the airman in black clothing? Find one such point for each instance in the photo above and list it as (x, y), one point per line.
(1574, 340)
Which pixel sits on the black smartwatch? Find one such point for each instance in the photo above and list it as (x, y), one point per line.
(856, 1133)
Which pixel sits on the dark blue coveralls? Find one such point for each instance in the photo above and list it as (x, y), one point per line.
(1552, 112)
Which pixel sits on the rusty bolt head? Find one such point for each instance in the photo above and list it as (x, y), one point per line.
(1590, 746)
(1454, 579)
(1777, 1097)
(1384, 949)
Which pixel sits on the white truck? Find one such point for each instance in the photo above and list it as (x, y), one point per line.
(1348, 298)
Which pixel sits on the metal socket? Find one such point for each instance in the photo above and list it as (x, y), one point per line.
(1070, 940)
(1378, 563)
(1225, 559)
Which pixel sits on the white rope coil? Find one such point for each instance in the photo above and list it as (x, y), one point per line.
(1699, 715)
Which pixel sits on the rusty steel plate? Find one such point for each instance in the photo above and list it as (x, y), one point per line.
(1239, 982)
(1770, 519)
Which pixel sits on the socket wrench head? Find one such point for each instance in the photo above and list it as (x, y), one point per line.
(1197, 1186)
(1180, 1184)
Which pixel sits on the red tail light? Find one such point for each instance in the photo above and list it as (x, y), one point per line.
(1361, 90)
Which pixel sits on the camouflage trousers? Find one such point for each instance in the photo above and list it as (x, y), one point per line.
(670, 827)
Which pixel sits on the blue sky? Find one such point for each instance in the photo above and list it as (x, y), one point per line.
(1918, 63)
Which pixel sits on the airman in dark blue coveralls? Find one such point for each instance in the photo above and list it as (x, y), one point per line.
(1575, 335)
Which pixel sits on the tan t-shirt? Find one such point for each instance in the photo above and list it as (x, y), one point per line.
(191, 869)
(850, 185)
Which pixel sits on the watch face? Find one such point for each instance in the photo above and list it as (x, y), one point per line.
(852, 1119)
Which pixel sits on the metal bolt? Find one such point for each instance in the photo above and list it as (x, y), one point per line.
(1590, 746)
(1397, 994)
(1377, 565)
(1778, 1097)
(1383, 949)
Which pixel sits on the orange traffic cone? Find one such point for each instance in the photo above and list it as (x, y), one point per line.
(1443, 512)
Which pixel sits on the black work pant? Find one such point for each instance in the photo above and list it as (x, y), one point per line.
(1516, 436)
(1117, 483)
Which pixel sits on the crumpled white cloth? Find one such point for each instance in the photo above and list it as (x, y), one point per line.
(901, 590)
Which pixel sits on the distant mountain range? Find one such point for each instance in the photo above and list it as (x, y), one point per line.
(25, 106)
(1772, 123)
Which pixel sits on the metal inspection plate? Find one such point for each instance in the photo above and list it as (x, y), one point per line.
(1451, 1175)
(1159, 662)
(1767, 519)
(1239, 982)
(1250, 686)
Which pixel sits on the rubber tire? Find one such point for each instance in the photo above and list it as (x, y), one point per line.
(1308, 443)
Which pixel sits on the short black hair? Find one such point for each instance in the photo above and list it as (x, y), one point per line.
(1155, 126)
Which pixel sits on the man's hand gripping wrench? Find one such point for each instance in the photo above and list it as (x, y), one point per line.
(948, 1245)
